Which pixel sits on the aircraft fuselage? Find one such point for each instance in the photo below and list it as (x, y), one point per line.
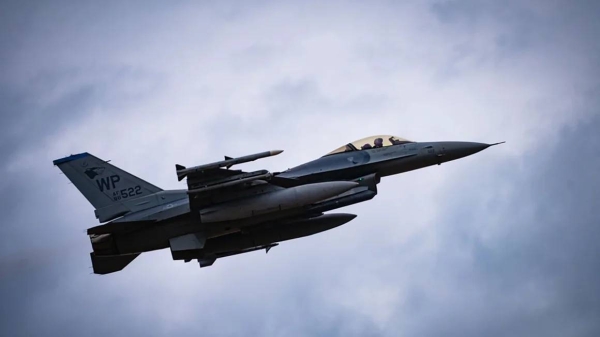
(227, 212)
(383, 161)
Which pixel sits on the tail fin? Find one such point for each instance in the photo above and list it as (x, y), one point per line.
(101, 183)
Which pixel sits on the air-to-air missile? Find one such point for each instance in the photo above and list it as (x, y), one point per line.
(225, 212)
(182, 171)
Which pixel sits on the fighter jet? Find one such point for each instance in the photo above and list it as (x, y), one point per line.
(225, 212)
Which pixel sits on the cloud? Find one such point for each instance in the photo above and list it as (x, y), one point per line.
(499, 243)
(516, 250)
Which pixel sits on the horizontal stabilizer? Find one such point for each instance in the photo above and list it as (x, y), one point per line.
(118, 227)
(111, 263)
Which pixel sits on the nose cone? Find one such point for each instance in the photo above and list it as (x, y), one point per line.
(448, 151)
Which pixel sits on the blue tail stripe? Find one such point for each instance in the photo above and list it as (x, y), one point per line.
(70, 158)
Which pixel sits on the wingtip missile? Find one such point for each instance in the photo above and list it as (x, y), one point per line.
(182, 171)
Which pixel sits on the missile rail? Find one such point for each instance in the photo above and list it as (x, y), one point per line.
(228, 182)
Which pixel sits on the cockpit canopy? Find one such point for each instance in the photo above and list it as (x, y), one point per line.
(371, 142)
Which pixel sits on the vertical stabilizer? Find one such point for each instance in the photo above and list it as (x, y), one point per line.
(101, 183)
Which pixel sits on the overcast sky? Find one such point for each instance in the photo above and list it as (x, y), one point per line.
(502, 243)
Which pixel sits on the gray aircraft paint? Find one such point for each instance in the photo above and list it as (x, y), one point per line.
(383, 161)
(105, 186)
(229, 212)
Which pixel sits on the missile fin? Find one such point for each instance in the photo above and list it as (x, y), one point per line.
(180, 168)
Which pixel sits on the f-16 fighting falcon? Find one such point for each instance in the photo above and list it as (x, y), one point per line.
(226, 212)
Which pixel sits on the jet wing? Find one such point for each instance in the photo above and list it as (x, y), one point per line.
(112, 263)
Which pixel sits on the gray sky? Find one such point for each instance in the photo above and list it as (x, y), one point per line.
(503, 243)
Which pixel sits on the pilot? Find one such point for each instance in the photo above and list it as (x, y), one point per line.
(378, 142)
(366, 146)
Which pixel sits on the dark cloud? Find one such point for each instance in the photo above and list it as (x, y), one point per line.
(519, 244)
(524, 25)
(26, 121)
(506, 34)
(513, 249)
